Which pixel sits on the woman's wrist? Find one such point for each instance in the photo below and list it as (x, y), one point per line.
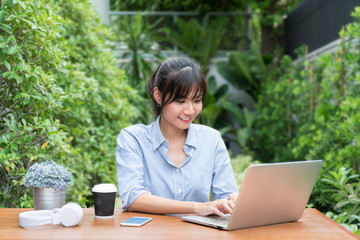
(196, 207)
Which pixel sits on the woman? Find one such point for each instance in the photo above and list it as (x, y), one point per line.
(172, 165)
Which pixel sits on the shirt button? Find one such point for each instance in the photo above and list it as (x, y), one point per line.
(185, 146)
(177, 170)
(179, 190)
(190, 154)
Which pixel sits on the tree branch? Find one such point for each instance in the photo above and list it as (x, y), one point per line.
(6, 95)
(4, 130)
(10, 108)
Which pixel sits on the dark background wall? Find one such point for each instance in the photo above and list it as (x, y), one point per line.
(316, 23)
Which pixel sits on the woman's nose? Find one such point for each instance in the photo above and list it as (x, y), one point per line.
(189, 108)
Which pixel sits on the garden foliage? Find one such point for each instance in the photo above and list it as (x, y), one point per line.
(312, 112)
(29, 95)
(96, 105)
(62, 96)
(177, 5)
(138, 40)
(200, 42)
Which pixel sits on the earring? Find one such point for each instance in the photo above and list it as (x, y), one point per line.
(158, 104)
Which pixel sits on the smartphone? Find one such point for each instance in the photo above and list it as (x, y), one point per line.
(136, 221)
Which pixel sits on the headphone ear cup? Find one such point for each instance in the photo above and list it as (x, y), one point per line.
(71, 214)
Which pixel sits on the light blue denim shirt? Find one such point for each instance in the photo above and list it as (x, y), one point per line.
(143, 165)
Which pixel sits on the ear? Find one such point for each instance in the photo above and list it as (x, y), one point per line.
(157, 95)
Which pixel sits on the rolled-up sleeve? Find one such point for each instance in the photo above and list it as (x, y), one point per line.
(223, 182)
(130, 168)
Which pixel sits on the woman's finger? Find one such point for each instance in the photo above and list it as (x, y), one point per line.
(227, 207)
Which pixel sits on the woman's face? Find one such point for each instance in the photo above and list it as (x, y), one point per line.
(180, 113)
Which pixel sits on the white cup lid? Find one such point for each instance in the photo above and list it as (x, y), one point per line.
(104, 188)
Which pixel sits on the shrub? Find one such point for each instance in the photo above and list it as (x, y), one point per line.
(141, 40)
(29, 131)
(312, 112)
(58, 78)
(96, 105)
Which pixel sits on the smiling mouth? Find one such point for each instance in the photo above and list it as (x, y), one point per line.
(185, 119)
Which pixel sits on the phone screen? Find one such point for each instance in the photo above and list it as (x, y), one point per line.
(136, 221)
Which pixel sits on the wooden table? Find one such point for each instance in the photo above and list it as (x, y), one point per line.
(313, 225)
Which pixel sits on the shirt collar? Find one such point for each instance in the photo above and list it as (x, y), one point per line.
(192, 136)
(157, 138)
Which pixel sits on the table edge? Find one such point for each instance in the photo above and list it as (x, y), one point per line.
(334, 223)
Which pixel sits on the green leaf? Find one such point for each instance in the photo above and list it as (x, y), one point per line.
(14, 147)
(239, 64)
(211, 85)
(209, 99)
(235, 79)
(236, 111)
(7, 64)
(26, 100)
(250, 117)
(225, 130)
(207, 47)
(136, 26)
(219, 25)
(354, 199)
(7, 28)
(342, 203)
(181, 24)
(256, 57)
(176, 39)
(192, 32)
(350, 189)
(13, 123)
(329, 181)
(2, 14)
(210, 113)
(12, 50)
(222, 91)
(243, 135)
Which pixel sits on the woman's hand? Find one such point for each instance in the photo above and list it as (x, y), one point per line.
(219, 207)
(233, 197)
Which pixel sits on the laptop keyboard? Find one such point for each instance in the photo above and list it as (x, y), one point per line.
(223, 221)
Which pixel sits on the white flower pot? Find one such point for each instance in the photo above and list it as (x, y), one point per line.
(48, 198)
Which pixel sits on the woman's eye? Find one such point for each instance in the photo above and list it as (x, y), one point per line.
(197, 101)
(180, 101)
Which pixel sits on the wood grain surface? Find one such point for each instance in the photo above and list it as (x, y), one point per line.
(312, 225)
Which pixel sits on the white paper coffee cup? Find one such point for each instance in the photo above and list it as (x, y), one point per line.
(104, 199)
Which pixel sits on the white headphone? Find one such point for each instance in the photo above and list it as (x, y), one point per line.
(69, 216)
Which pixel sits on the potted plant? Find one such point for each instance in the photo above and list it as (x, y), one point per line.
(49, 181)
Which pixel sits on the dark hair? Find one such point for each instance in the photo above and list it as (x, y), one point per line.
(176, 78)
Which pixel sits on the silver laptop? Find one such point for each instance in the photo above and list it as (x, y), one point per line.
(270, 194)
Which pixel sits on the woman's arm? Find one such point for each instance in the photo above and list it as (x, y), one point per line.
(158, 205)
